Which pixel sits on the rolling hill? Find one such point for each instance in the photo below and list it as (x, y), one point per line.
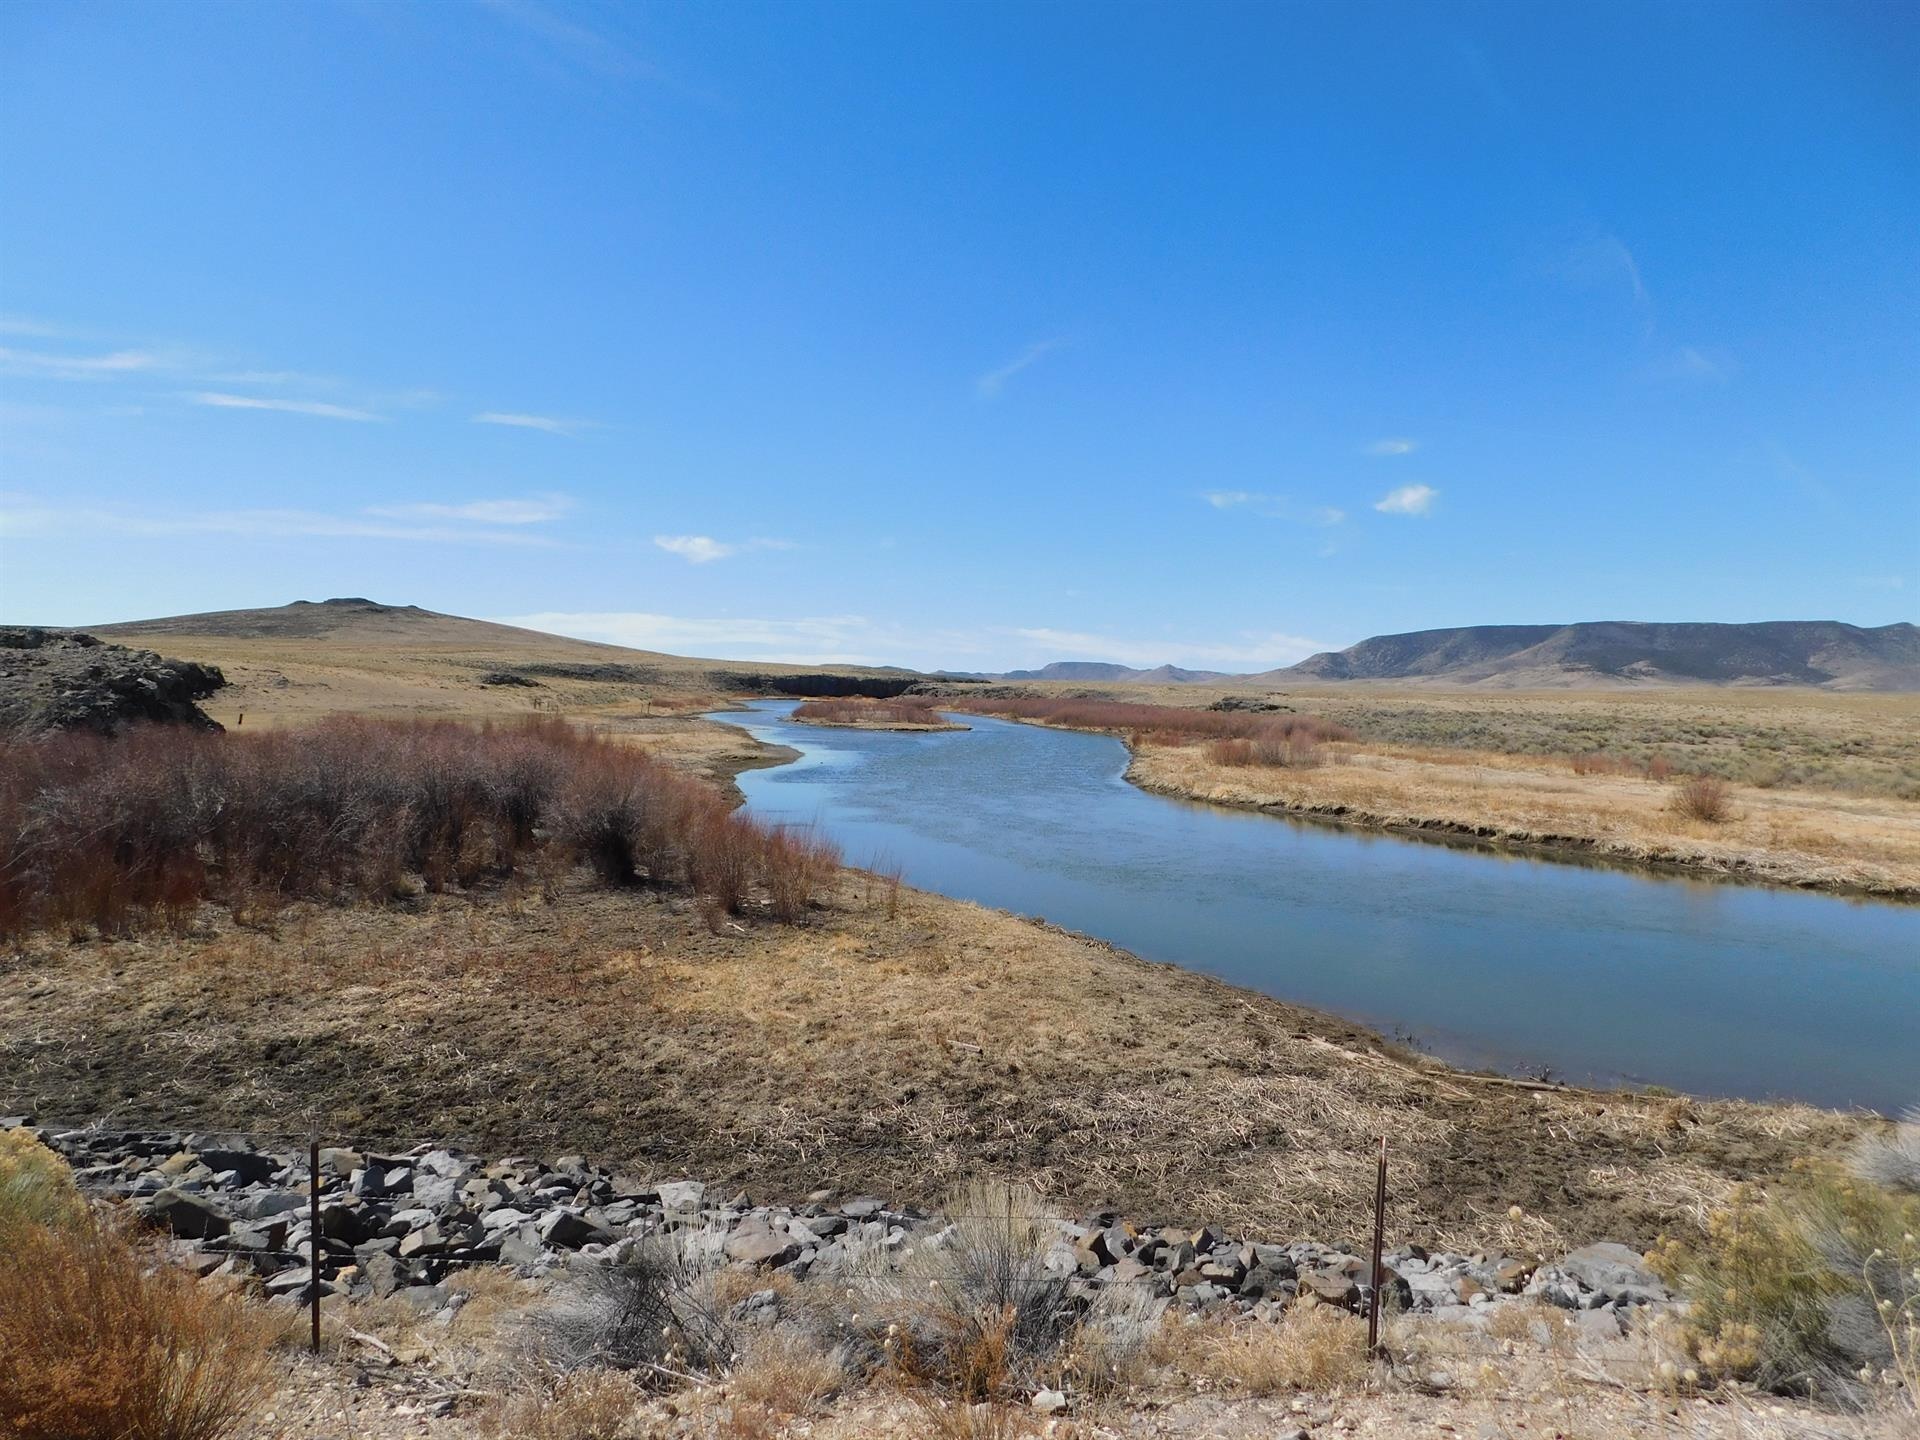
(1822, 653)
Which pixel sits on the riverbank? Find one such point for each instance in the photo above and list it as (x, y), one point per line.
(898, 1043)
(1842, 844)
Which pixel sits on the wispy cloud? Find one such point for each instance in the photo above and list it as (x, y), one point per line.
(549, 423)
(1392, 445)
(26, 518)
(532, 510)
(573, 43)
(1407, 500)
(861, 640)
(1604, 260)
(1690, 365)
(704, 549)
(806, 640)
(1274, 507)
(994, 381)
(50, 366)
(222, 400)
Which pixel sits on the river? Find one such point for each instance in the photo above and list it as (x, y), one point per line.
(1521, 964)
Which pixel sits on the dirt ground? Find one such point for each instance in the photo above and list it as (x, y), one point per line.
(1445, 1381)
(897, 1044)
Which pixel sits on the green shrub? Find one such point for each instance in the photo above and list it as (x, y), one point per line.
(1813, 1286)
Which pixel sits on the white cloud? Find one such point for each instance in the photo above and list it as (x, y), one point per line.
(704, 549)
(859, 640)
(49, 366)
(1274, 507)
(1393, 445)
(28, 519)
(533, 510)
(994, 381)
(549, 423)
(221, 400)
(1407, 500)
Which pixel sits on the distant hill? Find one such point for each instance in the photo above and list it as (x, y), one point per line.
(353, 618)
(1822, 653)
(1100, 670)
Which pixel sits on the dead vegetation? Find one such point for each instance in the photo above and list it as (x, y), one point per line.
(901, 714)
(875, 1050)
(99, 1337)
(112, 833)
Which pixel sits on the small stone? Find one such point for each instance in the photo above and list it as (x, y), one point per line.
(1049, 1402)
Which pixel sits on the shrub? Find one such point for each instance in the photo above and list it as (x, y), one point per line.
(870, 712)
(95, 1341)
(36, 1187)
(1158, 724)
(1812, 1288)
(1276, 743)
(111, 832)
(662, 1313)
(1702, 797)
(981, 1316)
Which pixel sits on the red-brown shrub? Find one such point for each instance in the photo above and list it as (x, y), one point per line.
(869, 712)
(1702, 797)
(1275, 743)
(106, 832)
(1160, 724)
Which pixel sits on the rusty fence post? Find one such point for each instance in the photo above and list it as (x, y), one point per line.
(313, 1236)
(1379, 1236)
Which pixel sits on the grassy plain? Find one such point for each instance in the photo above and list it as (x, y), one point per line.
(899, 1041)
(1825, 788)
(897, 1045)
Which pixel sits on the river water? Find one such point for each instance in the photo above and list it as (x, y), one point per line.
(1595, 975)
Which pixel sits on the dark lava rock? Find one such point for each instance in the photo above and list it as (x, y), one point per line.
(54, 680)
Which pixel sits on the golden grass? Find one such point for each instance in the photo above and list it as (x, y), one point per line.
(1311, 1347)
(97, 1339)
(1789, 837)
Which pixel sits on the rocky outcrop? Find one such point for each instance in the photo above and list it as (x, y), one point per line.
(53, 680)
(402, 1221)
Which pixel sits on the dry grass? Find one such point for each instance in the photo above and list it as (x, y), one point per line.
(586, 1405)
(785, 1371)
(875, 1053)
(1311, 1347)
(1789, 837)
(98, 1340)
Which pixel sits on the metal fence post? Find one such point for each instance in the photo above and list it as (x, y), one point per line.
(1379, 1235)
(313, 1236)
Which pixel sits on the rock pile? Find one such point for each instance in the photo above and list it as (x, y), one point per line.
(400, 1223)
(59, 680)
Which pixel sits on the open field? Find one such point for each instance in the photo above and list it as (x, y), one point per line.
(1864, 744)
(895, 1044)
(1821, 794)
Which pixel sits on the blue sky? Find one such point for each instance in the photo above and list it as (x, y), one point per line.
(967, 334)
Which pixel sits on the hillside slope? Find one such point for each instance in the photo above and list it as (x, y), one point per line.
(311, 658)
(1822, 653)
